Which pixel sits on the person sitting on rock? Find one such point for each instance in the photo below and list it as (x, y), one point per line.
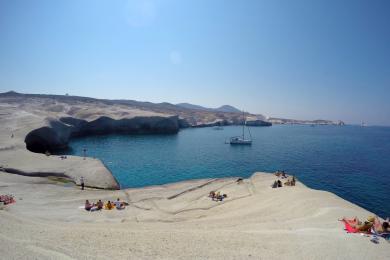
(293, 181)
(88, 206)
(220, 197)
(109, 206)
(119, 204)
(99, 204)
(217, 195)
(380, 227)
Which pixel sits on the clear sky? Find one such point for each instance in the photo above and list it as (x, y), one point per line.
(301, 59)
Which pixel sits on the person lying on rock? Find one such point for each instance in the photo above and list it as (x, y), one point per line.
(359, 225)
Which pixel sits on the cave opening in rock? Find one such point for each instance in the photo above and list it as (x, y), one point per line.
(43, 140)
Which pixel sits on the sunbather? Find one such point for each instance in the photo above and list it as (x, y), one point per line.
(7, 199)
(353, 221)
(221, 197)
(99, 205)
(109, 206)
(293, 181)
(119, 204)
(361, 226)
(217, 195)
(290, 182)
(88, 205)
(380, 227)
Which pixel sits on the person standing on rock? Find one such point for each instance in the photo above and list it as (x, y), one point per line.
(82, 182)
(85, 152)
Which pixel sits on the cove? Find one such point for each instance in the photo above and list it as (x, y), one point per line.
(350, 161)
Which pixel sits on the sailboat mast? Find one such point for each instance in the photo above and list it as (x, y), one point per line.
(243, 126)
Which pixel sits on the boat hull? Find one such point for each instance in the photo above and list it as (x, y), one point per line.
(240, 141)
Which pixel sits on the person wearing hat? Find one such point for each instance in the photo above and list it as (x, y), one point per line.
(363, 226)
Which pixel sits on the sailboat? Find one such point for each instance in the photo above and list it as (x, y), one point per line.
(242, 140)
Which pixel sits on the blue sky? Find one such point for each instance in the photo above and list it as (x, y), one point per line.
(294, 59)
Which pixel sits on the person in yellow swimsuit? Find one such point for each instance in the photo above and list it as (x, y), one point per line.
(109, 205)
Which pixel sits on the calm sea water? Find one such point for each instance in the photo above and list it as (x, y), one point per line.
(352, 162)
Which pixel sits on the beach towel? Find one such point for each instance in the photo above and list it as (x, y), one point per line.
(7, 199)
(349, 228)
(385, 235)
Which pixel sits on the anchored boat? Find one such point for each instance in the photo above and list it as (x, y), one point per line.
(242, 140)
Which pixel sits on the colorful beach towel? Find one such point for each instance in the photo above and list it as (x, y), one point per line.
(349, 228)
(385, 235)
(7, 199)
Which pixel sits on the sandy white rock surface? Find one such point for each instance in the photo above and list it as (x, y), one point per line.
(180, 221)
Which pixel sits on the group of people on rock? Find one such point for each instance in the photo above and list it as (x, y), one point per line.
(372, 224)
(278, 183)
(118, 204)
(281, 174)
(217, 196)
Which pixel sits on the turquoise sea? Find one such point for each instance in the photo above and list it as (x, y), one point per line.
(350, 161)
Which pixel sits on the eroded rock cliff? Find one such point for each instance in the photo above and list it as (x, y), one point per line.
(56, 133)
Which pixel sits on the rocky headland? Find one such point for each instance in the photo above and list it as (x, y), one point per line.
(34, 126)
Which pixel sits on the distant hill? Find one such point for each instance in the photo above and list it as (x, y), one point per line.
(228, 109)
(224, 108)
(191, 106)
(190, 115)
(85, 108)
